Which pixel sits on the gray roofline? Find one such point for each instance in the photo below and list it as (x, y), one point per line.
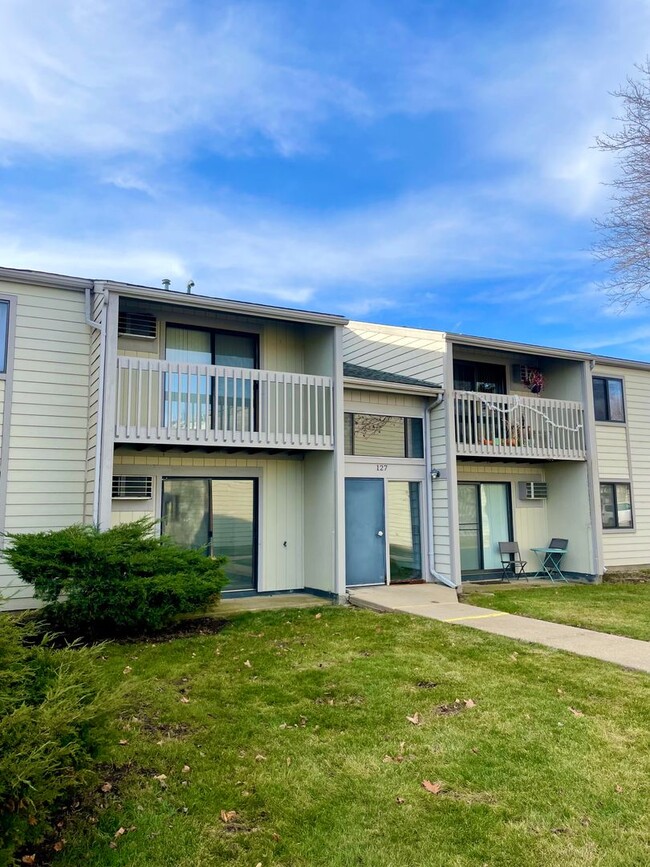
(536, 349)
(45, 278)
(62, 281)
(168, 296)
(512, 346)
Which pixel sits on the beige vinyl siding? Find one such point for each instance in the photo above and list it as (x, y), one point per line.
(407, 351)
(320, 521)
(530, 519)
(281, 505)
(440, 493)
(2, 407)
(628, 444)
(612, 447)
(46, 476)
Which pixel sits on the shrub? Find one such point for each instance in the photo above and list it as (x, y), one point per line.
(123, 581)
(53, 722)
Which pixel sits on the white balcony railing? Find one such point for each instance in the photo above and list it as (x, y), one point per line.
(505, 425)
(202, 404)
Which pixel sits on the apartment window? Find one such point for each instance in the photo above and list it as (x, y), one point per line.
(608, 399)
(383, 436)
(616, 505)
(4, 334)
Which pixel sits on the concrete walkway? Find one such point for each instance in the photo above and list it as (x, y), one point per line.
(441, 603)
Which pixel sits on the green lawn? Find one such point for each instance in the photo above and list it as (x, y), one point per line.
(623, 609)
(297, 722)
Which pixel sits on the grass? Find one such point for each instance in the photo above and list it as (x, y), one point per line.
(622, 609)
(297, 722)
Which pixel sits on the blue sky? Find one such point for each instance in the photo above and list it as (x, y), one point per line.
(400, 161)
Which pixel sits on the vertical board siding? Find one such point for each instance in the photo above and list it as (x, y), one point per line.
(95, 374)
(48, 447)
(624, 548)
(281, 506)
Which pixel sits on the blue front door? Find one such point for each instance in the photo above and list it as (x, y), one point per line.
(365, 532)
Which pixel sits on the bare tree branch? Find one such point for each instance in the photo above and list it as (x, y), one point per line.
(624, 232)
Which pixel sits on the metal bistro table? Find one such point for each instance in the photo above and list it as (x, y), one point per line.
(549, 563)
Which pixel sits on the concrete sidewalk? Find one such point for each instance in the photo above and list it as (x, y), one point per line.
(441, 603)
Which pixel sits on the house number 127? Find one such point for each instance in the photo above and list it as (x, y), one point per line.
(381, 468)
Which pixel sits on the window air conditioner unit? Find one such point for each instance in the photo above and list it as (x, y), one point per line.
(133, 324)
(132, 487)
(533, 491)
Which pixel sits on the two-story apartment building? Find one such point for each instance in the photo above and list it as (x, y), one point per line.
(315, 453)
(217, 418)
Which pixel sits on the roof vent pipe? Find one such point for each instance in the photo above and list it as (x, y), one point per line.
(190, 286)
(166, 283)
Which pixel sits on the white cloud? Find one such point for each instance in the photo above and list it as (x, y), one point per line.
(132, 76)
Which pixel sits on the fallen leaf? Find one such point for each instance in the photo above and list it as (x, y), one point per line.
(469, 703)
(288, 760)
(560, 691)
(113, 844)
(559, 830)
(58, 846)
(475, 750)
(107, 787)
(162, 779)
(184, 699)
(415, 719)
(186, 769)
(123, 742)
(400, 800)
(248, 663)
(317, 616)
(119, 832)
(32, 820)
(228, 815)
(275, 836)
(127, 670)
(576, 712)
(28, 859)
(618, 789)
(260, 758)
(434, 788)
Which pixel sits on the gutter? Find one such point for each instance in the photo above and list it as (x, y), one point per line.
(437, 576)
(98, 325)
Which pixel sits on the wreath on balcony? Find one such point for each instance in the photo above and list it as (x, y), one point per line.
(534, 380)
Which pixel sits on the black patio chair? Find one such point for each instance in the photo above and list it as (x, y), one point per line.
(512, 566)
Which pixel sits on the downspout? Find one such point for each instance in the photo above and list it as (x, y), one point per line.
(442, 579)
(97, 326)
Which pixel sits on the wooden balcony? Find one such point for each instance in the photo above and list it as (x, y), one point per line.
(512, 426)
(164, 402)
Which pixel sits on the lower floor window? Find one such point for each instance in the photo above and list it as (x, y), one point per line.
(616, 505)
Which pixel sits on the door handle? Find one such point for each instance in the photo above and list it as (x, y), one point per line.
(380, 532)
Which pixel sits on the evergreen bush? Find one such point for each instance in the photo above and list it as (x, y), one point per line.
(54, 712)
(119, 582)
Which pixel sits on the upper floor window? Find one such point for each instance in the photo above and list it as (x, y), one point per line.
(479, 376)
(199, 346)
(4, 334)
(383, 436)
(616, 505)
(608, 399)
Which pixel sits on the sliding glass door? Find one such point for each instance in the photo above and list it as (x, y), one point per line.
(484, 519)
(197, 399)
(217, 517)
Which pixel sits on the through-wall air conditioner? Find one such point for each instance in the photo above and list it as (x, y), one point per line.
(132, 487)
(533, 491)
(133, 324)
